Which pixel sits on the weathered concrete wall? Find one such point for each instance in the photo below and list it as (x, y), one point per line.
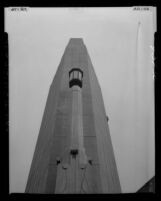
(108, 170)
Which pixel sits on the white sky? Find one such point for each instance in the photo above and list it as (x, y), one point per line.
(121, 54)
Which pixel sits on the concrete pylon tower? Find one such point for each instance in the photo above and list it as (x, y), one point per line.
(74, 152)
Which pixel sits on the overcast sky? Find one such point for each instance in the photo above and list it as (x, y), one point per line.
(120, 44)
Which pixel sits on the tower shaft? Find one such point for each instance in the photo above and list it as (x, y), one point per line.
(74, 152)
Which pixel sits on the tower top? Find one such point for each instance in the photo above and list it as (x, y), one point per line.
(76, 41)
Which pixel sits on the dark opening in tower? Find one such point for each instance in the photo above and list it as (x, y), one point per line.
(75, 77)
